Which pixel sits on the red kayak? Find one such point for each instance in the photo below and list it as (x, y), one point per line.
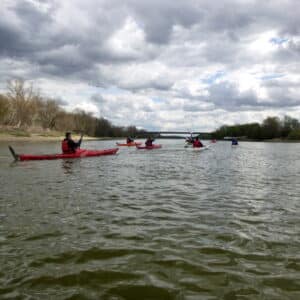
(129, 144)
(78, 154)
(149, 147)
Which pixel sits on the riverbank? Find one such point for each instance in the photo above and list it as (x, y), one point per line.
(276, 140)
(15, 135)
(38, 135)
(39, 138)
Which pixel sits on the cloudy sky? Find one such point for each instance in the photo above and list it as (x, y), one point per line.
(159, 64)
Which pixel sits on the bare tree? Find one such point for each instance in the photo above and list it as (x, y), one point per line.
(23, 102)
(64, 121)
(48, 112)
(84, 122)
(132, 130)
(5, 110)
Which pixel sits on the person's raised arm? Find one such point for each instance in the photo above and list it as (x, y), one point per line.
(80, 140)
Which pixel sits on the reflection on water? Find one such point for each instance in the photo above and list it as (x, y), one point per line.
(67, 165)
(162, 224)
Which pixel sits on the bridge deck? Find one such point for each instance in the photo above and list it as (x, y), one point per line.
(177, 132)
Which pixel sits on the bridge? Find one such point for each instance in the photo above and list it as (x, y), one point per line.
(179, 132)
(176, 134)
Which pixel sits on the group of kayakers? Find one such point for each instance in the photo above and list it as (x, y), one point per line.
(71, 149)
(68, 145)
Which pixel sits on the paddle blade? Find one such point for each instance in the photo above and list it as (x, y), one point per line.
(13, 153)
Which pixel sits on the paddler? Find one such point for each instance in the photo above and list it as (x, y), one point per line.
(129, 140)
(149, 142)
(197, 143)
(68, 145)
(234, 142)
(190, 139)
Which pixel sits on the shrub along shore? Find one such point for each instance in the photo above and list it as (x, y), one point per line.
(271, 129)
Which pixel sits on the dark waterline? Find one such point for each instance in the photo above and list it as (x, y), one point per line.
(161, 224)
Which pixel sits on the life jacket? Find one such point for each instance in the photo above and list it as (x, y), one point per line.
(197, 144)
(65, 147)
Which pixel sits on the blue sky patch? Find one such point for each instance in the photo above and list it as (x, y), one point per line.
(157, 99)
(213, 77)
(271, 76)
(278, 40)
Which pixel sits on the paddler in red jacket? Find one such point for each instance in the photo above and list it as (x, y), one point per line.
(68, 145)
(197, 143)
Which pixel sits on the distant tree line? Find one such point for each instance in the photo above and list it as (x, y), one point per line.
(23, 107)
(270, 128)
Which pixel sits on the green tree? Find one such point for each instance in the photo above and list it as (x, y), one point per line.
(294, 135)
(254, 131)
(288, 125)
(271, 128)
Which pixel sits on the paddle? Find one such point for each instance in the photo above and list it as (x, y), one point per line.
(80, 140)
(13, 153)
(189, 140)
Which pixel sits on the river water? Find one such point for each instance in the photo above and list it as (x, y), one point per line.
(162, 224)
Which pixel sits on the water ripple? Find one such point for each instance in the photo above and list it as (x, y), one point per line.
(167, 224)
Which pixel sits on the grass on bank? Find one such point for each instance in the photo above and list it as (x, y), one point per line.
(34, 134)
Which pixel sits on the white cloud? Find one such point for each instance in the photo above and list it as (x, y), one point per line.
(158, 65)
(128, 41)
(261, 44)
